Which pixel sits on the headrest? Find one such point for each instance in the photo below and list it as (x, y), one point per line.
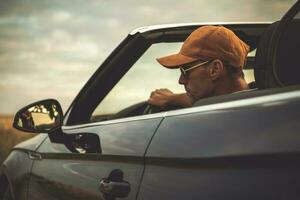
(280, 69)
(287, 64)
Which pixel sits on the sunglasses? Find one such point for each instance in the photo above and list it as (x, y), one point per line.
(186, 69)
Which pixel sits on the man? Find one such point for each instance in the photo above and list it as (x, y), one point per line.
(211, 61)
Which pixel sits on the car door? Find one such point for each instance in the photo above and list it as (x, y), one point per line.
(99, 153)
(86, 160)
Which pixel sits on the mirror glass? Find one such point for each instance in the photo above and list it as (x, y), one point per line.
(39, 117)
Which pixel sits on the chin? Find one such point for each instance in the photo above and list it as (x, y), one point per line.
(193, 97)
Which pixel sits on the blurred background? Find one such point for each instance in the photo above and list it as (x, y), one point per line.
(49, 48)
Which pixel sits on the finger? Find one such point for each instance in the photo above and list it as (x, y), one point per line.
(152, 93)
(152, 102)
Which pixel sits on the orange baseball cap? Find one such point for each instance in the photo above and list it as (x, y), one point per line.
(209, 43)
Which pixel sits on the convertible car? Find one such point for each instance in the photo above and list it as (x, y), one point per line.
(110, 144)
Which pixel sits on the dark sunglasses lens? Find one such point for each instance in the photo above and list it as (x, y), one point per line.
(182, 72)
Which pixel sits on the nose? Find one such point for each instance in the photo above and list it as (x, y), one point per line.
(181, 80)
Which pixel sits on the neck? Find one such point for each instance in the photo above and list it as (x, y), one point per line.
(230, 86)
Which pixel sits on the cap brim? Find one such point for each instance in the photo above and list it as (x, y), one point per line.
(175, 60)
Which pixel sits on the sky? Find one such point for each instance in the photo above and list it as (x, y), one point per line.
(49, 48)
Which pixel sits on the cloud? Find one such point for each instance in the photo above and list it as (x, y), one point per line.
(61, 17)
(53, 47)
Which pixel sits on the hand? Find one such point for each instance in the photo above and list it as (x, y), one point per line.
(161, 97)
(164, 97)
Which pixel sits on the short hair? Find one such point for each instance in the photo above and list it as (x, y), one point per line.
(233, 71)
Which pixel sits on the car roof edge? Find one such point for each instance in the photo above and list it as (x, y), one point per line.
(167, 26)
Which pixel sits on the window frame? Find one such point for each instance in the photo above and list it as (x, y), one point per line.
(129, 51)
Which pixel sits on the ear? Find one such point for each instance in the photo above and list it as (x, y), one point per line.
(216, 69)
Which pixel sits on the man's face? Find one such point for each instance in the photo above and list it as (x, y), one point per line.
(197, 81)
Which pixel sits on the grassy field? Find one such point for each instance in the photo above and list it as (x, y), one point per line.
(9, 136)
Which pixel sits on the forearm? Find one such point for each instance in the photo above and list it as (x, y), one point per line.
(165, 97)
(181, 99)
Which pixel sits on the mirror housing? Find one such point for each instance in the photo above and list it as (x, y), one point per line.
(39, 117)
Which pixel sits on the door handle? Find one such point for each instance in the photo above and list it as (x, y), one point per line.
(116, 189)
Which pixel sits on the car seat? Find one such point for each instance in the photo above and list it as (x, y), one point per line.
(277, 61)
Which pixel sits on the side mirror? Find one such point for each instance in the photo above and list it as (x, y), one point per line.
(42, 116)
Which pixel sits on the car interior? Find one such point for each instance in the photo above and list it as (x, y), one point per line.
(273, 66)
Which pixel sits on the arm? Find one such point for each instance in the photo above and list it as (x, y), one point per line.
(165, 97)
